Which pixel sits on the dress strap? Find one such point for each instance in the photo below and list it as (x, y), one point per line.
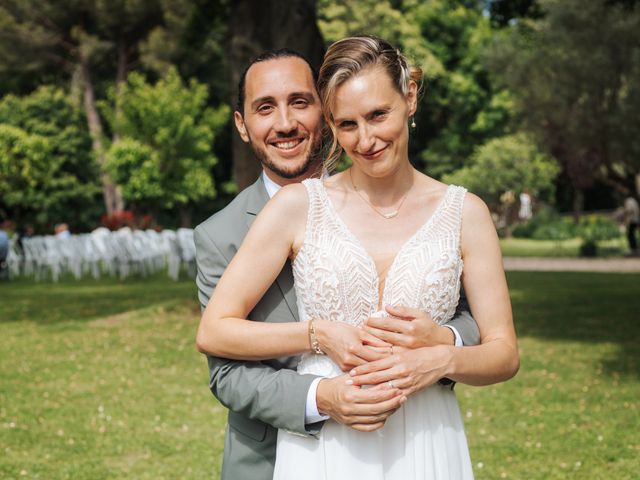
(316, 211)
(456, 204)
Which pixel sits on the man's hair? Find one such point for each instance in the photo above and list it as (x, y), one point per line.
(264, 57)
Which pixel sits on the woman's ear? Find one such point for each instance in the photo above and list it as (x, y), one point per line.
(412, 97)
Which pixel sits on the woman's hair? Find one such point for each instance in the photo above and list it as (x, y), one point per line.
(347, 58)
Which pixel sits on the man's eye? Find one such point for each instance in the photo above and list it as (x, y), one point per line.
(265, 108)
(300, 103)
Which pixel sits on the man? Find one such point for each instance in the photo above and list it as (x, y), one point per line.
(632, 220)
(279, 115)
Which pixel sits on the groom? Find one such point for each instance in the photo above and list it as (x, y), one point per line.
(279, 115)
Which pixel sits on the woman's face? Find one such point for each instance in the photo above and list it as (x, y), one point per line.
(371, 119)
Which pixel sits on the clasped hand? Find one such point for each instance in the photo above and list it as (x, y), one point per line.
(393, 355)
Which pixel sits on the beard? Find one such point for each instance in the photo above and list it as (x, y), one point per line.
(313, 158)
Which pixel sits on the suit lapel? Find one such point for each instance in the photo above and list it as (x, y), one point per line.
(257, 199)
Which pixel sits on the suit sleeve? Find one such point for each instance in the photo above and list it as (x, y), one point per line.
(252, 389)
(464, 323)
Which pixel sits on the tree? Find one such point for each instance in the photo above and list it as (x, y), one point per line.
(77, 37)
(512, 163)
(47, 174)
(462, 108)
(575, 77)
(163, 157)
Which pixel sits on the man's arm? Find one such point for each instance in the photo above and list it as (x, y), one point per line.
(464, 323)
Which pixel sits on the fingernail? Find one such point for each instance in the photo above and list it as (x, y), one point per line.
(353, 372)
(349, 382)
(402, 400)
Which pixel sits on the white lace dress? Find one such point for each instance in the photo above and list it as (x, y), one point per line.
(336, 279)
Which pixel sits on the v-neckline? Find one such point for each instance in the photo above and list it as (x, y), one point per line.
(355, 240)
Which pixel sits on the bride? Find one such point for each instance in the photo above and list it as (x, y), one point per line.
(376, 235)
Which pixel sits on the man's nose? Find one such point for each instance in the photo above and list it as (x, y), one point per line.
(285, 121)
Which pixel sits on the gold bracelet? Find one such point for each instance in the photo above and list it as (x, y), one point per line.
(313, 340)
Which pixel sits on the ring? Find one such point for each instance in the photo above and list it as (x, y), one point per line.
(390, 382)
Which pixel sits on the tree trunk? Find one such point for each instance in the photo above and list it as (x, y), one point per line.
(121, 77)
(185, 216)
(257, 26)
(112, 199)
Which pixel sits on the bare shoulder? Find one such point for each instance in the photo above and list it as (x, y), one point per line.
(288, 208)
(477, 224)
(475, 209)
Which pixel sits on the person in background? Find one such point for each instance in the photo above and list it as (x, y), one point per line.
(62, 230)
(632, 220)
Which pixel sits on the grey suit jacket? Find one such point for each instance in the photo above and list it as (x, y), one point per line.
(261, 396)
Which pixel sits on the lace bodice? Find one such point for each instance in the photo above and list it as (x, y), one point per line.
(336, 279)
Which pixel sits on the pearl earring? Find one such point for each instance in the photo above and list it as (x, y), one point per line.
(413, 122)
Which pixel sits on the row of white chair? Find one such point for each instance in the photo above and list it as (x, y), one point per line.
(121, 253)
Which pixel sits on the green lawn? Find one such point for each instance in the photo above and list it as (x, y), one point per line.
(101, 380)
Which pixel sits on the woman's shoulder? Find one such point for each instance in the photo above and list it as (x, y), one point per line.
(291, 197)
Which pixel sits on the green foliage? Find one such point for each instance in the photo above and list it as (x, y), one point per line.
(593, 229)
(597, 228)
(47, 173)
(192, 38)
(163, 157)
(546, 224)
(461, 108)
(510, 163)
(341, 18)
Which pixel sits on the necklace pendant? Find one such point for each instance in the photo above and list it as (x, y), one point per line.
(390, 214)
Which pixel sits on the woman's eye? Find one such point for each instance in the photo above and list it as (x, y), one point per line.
(379, 114)
(346, 125)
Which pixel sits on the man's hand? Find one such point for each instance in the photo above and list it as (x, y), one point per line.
(410, 370)
(349, 346)
(408, 328)
(363, 409)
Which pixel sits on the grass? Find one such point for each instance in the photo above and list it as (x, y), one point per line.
(525, 247)
(100, 380)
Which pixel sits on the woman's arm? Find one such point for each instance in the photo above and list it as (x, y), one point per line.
(223, 330)
(496, 359)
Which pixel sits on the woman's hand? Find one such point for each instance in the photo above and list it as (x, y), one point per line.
(408, 328)
(349, 346)
(410, 370)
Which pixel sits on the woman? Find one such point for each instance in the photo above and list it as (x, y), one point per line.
(381, 233)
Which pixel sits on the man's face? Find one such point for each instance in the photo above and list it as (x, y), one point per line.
(282, 118)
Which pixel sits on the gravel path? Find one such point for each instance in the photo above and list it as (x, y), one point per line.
(550, 264)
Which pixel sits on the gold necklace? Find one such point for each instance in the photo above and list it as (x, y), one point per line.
(387, 215)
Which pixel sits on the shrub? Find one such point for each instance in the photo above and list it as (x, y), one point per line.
(547, 224)
(593, 229)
